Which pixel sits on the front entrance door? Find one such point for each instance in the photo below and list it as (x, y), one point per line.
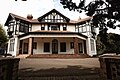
(54, 46)
(25, 49)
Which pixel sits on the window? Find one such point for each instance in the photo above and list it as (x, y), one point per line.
(54, 46)
(92, 29)
(47, 47)
(34, 45)
(80, 47)
(11, 26)
(71, 45)
(11, 48)
(92, 45)
(64, 27)
(21, 27)
(62, 47)
(24, 27)
(53, 27)
(42, 27)
(82, 29)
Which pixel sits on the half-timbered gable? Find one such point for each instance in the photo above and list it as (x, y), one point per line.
(54, 17)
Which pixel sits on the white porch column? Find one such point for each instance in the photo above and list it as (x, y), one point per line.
(30, 48)
(95, 47)
(16, 49)
(8, 46)
(88, 46)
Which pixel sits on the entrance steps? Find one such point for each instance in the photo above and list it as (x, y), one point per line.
(64, 56)
(22, 56)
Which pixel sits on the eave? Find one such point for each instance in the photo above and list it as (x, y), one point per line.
(53, 33)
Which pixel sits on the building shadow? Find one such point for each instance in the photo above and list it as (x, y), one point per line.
(68, 73)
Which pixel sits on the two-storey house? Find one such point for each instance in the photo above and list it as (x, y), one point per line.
(52, 33)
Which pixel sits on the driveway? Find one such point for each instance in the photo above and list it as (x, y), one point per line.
(59, 69)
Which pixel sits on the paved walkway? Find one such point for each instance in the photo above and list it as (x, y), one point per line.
(59, 69)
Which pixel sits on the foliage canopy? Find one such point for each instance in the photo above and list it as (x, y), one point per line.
(106, 13)
(110, 44)
(3, 37)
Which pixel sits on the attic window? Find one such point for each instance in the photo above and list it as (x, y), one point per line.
(54, 14)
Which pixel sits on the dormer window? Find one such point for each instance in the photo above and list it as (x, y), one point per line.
(54, 14)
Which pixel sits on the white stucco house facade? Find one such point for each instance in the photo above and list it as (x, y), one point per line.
(52, 33)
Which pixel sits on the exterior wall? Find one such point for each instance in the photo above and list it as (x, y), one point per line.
(89, 51)
(40, 45)
(88, 31)
(36, 27)
(40, 41)
(88, 41)
(71, 28)
(15, 46)
(9, 51)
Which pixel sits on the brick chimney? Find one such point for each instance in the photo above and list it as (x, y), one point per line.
(29, 16)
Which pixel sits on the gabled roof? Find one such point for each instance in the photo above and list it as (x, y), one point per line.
(37, 21)
(83, 21)
(16, 17)
(54, 10)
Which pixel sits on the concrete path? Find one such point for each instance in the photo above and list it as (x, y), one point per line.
(59, 69)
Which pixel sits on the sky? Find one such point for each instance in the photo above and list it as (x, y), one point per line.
(37, 8)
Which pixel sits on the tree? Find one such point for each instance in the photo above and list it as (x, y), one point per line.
(100, 46)
(3, 37)
(105, 13)
(110, 44)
